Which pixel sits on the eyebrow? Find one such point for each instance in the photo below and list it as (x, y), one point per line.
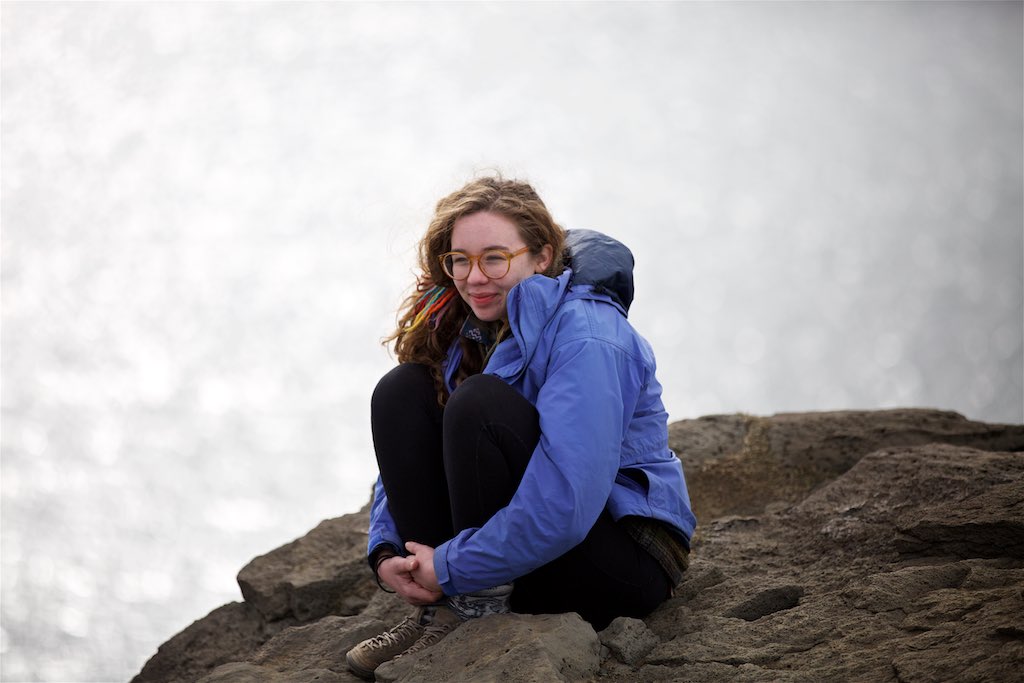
(493, 247)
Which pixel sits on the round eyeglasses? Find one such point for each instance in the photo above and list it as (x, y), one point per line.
(493, 263)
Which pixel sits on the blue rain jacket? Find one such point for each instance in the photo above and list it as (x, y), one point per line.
(604, 429)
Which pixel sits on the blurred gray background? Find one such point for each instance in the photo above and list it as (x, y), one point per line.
(209, 213)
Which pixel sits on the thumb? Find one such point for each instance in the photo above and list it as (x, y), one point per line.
(413, 547)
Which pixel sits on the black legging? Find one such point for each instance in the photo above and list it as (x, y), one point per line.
(448, 469)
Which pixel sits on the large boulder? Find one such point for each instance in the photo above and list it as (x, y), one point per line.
(829, 588)
(313, 652)
(739, 464)
(230, 633)
(507, 647)
(849, 546)
(322, 573)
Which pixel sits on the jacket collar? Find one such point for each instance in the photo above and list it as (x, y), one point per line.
(531, 305)
(476, 330)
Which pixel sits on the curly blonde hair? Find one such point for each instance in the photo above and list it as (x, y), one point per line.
(428, 343)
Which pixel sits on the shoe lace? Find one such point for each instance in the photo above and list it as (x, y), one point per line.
(394, 635)
(431, 635)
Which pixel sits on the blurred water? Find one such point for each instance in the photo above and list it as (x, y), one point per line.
(209, 210)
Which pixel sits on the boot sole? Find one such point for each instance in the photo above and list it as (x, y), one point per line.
(360, 671)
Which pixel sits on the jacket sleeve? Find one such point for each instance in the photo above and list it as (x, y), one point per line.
(382, 526)
(585, 405)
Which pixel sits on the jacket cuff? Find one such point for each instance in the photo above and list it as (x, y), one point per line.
(379, 551)
(444, 577)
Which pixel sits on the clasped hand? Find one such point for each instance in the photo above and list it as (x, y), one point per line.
(412, 577)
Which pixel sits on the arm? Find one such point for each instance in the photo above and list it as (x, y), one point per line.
(383, 533)
(585, 405)
(385, 556)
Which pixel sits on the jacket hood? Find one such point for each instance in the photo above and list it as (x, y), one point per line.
(599, 260)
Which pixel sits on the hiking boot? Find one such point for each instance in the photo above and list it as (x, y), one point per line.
(365, 657)
(444, 622)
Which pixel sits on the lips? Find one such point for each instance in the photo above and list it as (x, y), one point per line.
(483, 299)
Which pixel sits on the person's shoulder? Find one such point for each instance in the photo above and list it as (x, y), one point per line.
(595, 319)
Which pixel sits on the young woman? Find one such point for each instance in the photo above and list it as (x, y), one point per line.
(522, 441)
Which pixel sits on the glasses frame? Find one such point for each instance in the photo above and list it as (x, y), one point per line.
(475, 261)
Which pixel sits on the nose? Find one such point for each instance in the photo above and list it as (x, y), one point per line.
(476, 275)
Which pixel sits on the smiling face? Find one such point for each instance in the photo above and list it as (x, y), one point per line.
(476, 233)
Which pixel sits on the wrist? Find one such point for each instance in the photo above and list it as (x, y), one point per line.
(383, 557)
(380, 560)
(381, 550)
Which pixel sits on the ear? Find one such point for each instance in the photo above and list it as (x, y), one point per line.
(543, 260)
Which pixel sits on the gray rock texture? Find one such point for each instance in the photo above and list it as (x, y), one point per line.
(629, 640)
(740, 464)
(507, 647)
(322, 573)
(881, 546)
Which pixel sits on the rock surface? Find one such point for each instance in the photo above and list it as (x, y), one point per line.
(882, 546)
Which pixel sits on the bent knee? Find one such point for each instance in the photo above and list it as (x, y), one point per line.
(476, 391)
(402, 382)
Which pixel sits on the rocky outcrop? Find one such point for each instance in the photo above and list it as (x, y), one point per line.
(322, 573)
(885, 545)
(740, 464)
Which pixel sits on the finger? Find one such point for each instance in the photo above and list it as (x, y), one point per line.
(423, 598)
(392, 570)
(426, 581)
(416, 592)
